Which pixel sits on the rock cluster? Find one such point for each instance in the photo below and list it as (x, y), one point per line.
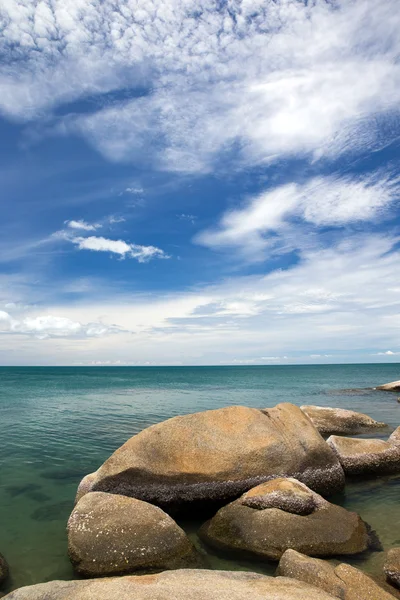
(393, 386)
(282, 514)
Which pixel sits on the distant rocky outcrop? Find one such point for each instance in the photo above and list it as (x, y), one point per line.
(341, 581)
(214, 456)
(392, 566)
(340, 421)
(393, 386)
(110, 534)
(4, 570)
(281, 514)
(368, 456)
(173, 585)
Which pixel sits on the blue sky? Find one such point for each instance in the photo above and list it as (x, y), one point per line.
(210, 182)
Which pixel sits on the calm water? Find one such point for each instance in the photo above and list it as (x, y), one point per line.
(57, 424)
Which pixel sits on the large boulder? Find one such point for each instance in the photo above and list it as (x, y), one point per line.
(4, 571)
(340, 421)
(368, 456)
(391, 567)
(110, 534)
(214, 456)
(393, 386)
(282, 514)
(341, 581)
(174, 585)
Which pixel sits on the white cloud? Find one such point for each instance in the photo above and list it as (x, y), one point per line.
(48, 326)
(123, 249)
(261, 78)
(387, 353)
(257, 315)
(323, 201)
(81, 224)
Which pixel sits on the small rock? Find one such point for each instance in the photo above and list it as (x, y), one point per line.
(391, 567)
(341, 581)
(340, 421)
(368, 456)
(393, 386)
(281, 514)
(110, 534)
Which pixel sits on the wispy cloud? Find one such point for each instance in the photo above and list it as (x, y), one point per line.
(267, 220)
(81, 224)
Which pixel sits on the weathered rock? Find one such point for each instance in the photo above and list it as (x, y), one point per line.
(85, 486)
(341, 581)
(110, 534)
(393, 386)
(214, 456)
(368, 456)
(340, 421)
(282, 514)
(4, 571)
(176, 585)
(391, 567)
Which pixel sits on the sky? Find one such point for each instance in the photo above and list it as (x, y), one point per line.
(199, 182)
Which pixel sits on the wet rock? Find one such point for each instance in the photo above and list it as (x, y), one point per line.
(391, 567)
(214, 456)
(341, 581)
(282, 514)
(340, 421)
(393, 386)
(368, 456)
(173, 585)
(4, 570)
(110, 534)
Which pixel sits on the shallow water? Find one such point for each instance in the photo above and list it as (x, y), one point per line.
(57, 424)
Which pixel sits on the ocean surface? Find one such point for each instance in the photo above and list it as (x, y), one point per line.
(58, 424)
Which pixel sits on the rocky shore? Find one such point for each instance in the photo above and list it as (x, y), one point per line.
(260, 477)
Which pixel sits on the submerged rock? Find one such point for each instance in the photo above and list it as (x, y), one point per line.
(366, 456)
(341, 581)
(214, 456)
(330, 421)
(391, 567)
(393, 386)
(4, 570)
(282, 514)
(110, 534)
(174, 585)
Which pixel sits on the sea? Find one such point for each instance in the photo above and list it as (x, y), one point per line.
(59, 423)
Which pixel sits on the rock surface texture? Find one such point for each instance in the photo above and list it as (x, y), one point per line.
(176, 585)
(217, 455)
(393, 386)
(110, 534)
(4, 572)
(282, 514)
(340, 421)
(364, 456)
(341, 581)
(392, 566)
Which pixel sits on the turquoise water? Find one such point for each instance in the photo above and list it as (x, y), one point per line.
(57, 424)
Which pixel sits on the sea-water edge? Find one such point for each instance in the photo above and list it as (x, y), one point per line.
(58, 424)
